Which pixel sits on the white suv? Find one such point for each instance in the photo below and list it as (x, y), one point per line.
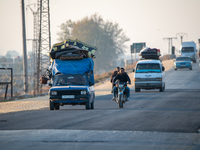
(149, 74)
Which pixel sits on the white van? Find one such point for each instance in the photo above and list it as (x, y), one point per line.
(189, 49)
(149, 74)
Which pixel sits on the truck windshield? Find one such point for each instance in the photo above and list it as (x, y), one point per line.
(71, 80)
(148, 67)
(188, 49)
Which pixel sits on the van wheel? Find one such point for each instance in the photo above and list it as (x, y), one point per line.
(137, 89)
(162, 89)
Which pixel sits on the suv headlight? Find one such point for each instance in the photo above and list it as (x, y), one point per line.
(53, 92)
(83, 92)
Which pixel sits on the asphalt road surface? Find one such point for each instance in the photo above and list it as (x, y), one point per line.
(150, 120)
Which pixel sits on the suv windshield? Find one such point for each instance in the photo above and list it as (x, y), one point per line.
(148, 67)
(183, 59)
(188, 49)
(71, 80)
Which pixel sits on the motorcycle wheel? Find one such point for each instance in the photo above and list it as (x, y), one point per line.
(120, 101)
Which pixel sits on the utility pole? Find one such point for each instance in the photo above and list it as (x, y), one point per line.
(34, 44)
(181, 34)
(170, 43)
(44, 40)
(25, 71)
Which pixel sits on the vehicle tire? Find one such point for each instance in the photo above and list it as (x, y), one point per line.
(51, 105)
(56, 106)
(162, 89)
(88, 105)
(92, 105)
(190, 68)
(137, 90)
(175, 69)
(120, 101)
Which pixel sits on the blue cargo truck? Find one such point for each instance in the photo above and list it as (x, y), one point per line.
(71, 75)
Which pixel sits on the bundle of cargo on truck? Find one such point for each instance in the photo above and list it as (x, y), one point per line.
(72, 49)
(150, 53)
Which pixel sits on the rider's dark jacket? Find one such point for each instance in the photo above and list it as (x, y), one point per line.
(122, 77)
(114, 74)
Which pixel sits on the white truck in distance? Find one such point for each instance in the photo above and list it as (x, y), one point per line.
(189, 49)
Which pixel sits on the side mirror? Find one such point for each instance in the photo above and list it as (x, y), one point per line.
(133, 70)
(91, 84)
(50, 84)
(163, 68)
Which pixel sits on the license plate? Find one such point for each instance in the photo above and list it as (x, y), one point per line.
(67, 96)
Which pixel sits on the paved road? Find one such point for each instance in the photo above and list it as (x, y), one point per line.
(151, 120)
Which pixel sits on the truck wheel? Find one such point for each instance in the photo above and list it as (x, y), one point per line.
(92, 105)
(190, 68)
(51, 105)
(56, 106)
(88, 105)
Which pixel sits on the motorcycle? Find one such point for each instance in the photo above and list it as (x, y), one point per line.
(121, 97)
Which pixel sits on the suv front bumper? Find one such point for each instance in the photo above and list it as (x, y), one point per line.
(148, 85)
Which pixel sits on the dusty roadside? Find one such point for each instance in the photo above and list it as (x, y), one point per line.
(42, 102)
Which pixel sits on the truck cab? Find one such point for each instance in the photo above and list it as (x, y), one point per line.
(71, 89)
(188, 49)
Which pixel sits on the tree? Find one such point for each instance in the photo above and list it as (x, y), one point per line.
(106, 35)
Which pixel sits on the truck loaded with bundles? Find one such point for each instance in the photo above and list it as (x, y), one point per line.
(72, 74)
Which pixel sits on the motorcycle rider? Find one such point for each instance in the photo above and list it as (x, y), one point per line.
(122, 76)
(113, 75)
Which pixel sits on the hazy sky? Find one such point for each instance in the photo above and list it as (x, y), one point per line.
(142, 20)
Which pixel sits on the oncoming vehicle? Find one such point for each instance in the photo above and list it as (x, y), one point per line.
(71, 90)
(149, 74)
(189, 49)
(71, 74)
(182, 62)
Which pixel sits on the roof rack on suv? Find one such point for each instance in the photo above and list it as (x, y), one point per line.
(150, 53)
